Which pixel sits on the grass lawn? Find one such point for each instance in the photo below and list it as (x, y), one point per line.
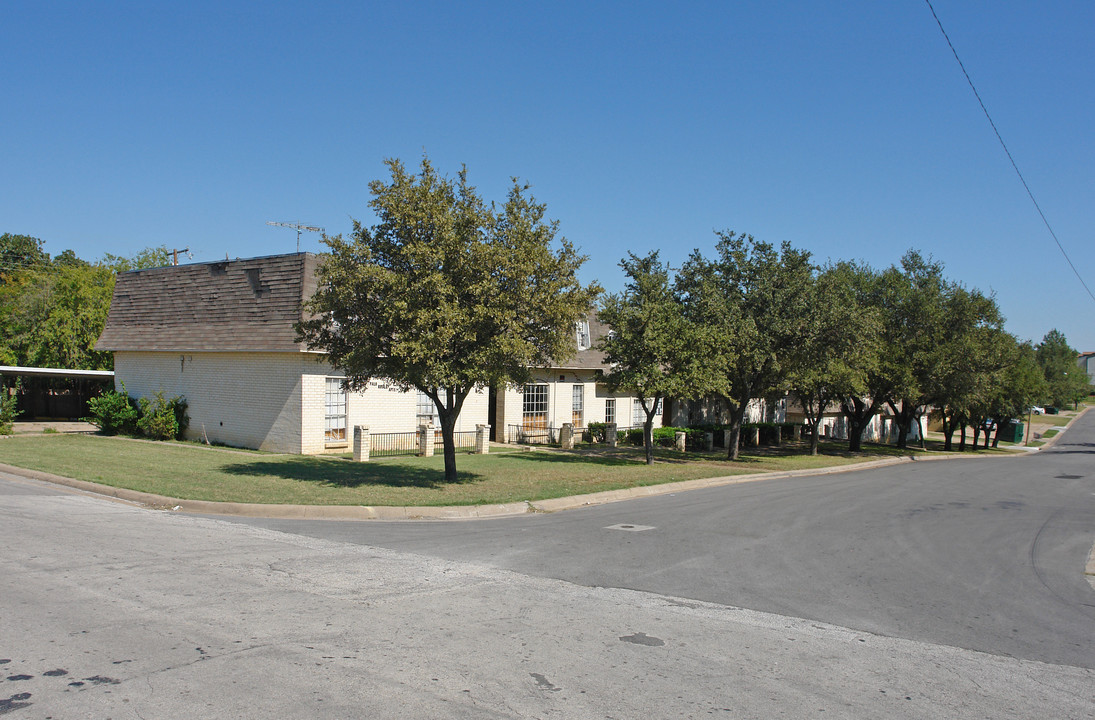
(185, 470)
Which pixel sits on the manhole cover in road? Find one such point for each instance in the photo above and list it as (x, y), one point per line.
(629, 527)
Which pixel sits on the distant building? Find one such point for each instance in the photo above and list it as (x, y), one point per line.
(1087, 362)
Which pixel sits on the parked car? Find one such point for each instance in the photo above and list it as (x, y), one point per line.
(1035, 410)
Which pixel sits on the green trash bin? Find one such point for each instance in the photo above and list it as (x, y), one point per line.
(1013, 432)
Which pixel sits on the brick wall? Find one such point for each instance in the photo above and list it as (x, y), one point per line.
(270, 401)
(240, 399)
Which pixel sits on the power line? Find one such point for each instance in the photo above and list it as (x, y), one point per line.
(1008, 152)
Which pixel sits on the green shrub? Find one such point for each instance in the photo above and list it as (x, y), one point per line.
(596, 431)
(162, 419)
(8, 410)
(182, 419)
(113, 412)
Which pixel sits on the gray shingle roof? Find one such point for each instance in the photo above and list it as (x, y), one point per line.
(246, 305)
(229, 305)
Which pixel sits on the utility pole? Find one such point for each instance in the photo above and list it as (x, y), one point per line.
(298, 227)
(175, 255)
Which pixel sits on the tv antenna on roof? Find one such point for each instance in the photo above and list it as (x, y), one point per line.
(298, 227)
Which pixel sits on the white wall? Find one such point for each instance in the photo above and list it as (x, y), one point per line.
(560, 384)
(270, 401)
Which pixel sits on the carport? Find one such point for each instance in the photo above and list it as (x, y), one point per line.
(54, 393)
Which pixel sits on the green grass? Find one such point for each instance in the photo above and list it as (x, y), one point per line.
(184, 470)
(1049, 433)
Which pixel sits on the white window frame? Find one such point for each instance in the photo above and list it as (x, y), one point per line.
(638, 415)
(534, 406)
(578, 405)
(581, 330)
(424, 401)
(610, 410)
(335, 411)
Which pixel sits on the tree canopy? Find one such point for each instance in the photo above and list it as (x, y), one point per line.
(753, 299)
(52, 310)
(447, 294)
(1066, 382)
(653, 350)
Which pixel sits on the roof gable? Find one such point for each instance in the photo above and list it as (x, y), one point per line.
(230, 305)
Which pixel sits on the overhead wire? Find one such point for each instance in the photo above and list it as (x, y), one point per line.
(1014, 165)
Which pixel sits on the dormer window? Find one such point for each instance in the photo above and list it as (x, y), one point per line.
(582, 330)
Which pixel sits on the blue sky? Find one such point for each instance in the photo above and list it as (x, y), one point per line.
(845, 128)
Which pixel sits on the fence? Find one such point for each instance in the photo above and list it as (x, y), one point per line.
(548, 435)
(532, 435)
(407, 443)
(393, 444)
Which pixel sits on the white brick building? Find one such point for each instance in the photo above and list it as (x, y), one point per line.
(568, 392)
(222, 335)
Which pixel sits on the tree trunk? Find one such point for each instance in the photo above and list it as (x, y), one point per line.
(962, 436)
(855, 435)
(448, 424)
(736, 417)
(859, 415)
(447, 414)
(948, 433)
(648, 437)
(814, 440)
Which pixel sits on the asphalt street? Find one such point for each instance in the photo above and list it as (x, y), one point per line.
(983, 554)
(951, 589)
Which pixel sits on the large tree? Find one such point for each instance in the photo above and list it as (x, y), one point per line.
(1066, 381)
(879, 292)
(754, 300)
(52, 310)
(970, 350)
(652, 349)
(446, 294)
(838, 349)
(914, 326)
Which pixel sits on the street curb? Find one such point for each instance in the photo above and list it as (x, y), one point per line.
(444, 512)
(473, 512)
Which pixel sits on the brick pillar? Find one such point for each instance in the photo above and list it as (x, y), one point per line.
(425, 440)
(679, 440)
(566, 436)
(796, 431)
(709, 441)
(779, 434)
(361, 443)
(482, 439)
(610, 435)
(754, 436)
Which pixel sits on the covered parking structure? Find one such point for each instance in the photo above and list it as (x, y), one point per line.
(54, 393)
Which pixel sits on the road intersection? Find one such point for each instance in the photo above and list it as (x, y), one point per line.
(949, 589)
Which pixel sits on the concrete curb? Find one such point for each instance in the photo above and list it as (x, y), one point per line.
(471, 512)
(443, 512)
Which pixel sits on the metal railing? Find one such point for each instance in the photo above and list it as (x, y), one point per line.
(407, 443)
(532, 435)
(393, 444)
(461, 440)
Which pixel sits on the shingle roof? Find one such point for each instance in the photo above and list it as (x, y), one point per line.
(590, 359)
(229, 305)
(246, 305)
